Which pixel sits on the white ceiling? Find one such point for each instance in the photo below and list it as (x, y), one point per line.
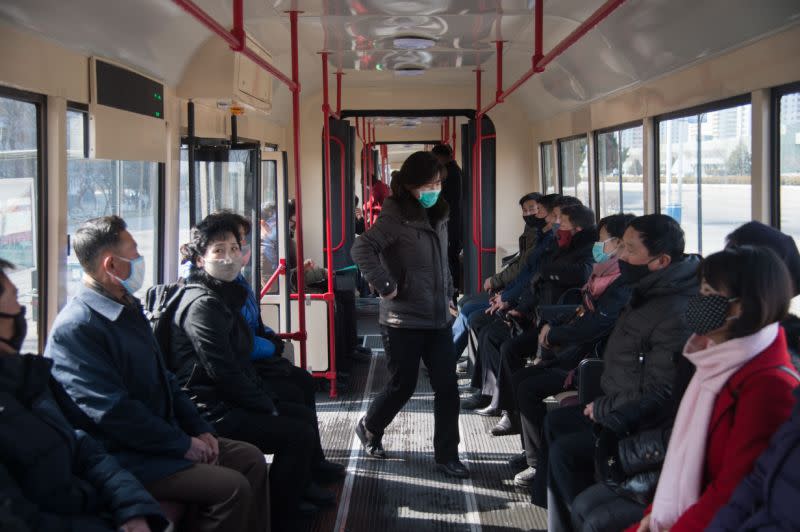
(642, 40)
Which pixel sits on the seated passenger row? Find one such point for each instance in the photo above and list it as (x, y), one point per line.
(733, 379)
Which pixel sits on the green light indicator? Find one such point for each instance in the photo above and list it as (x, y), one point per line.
(157, 96)
(158, 114)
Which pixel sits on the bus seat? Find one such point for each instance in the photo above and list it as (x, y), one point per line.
(589, 372)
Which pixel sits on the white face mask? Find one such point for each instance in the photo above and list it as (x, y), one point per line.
(135, 279)
(226, 269)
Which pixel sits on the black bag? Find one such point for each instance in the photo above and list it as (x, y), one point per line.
(160, 305)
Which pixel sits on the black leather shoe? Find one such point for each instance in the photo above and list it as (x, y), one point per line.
(518, 461)
(505, 426)
(454, 468)
(372, 446)
(488, 411)
(318, 495)
(475, 401)
(327, 471)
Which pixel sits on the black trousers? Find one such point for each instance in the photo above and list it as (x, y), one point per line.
(477, 322)
(532, 385)
(346, 324)
(298, 388)
(404, 349)
(600, 509)
(290, 437)
(513, 353)
(491, 337)
(566, 459)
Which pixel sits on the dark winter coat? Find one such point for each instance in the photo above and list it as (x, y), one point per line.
(106, 357)
(767, 498)
(210, 350)
(406, 250)
(648, 337)
(452, 192)
(527, 242)
(545, 242)
(561, 269)
(54, 477)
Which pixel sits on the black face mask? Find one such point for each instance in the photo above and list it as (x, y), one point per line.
(633, 273)
(20, 329)
(705, 314)
(532, 221)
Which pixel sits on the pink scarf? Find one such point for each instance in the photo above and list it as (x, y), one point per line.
(603, 274)
(682, 476)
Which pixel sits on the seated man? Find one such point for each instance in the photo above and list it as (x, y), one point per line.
(106, 357)
(54, 477)
(639, 357)
(529, 204)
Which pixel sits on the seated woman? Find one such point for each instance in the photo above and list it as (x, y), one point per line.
(210, 354)
(563, 343)
(54, 477)
(740, 393)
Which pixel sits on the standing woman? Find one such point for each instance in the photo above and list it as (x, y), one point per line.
(404, 257)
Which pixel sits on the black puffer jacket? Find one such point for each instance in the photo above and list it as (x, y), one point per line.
(54, 477)
(407, 249)
(210, 349)
(649, 336)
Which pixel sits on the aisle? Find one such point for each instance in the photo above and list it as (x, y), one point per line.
(405, 492)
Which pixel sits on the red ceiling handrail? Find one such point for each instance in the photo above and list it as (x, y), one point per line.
(541, 61)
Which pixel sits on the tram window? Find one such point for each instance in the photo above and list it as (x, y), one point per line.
(548, 168)
(19, 182)
(789, 164)
(126, 188)
(620, 173)
(574, 164)
(184, 227)
(77, 147)
(704, 168)
(268, 222)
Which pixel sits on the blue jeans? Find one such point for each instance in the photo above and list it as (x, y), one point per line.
(470, 305)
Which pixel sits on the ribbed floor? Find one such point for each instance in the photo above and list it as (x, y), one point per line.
(405, 492)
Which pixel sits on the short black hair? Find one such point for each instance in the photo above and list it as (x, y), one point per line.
(94, 237)
(565, 201)
(421, 168)
(758, 277)
(758, 234)
(443, 150)
(4, 266)
(242, 221)
(660, 234)
(531, 196)
(580, 215)
(548, 202)
(211, 229)
(615, 224)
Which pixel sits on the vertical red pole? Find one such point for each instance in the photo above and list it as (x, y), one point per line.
(499, 91)
(478, 192)
(454, 134)
(326, 111)
(538, 37)
(238, 25)
(301, 286)
(371, 173)
(339, 93)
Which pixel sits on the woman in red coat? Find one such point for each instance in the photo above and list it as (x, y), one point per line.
(741, 391)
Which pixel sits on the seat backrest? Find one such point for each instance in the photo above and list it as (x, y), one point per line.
(590, 370)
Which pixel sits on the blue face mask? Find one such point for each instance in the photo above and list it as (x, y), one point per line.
(428, 198)
(135, 279)
(599, 252)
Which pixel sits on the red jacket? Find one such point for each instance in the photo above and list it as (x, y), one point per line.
(741, 429)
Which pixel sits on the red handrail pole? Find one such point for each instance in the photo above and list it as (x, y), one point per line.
(339, 142)
(298, 185)
(454, 135)
(280, 270)
(238, 25)
(371, 172)
(538, 34)
(479, 178)
(499, 91)
(339, 75)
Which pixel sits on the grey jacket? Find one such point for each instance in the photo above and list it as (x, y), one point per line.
(648, 337)
(407, 249)
(527, 242)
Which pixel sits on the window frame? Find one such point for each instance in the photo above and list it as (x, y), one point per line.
(82, 108)
(559, 159)
(42, 216)
(596, 178)
(718, 105)
(543, 146)
(775, 157)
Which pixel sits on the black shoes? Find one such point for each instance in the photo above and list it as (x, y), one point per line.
(454, 468)
(319, 496)
(327, 471)
(506, 426)
(524, 478)
(360, 354)
(372, 445)
(475, 401)
(519, 461)
(488, 411)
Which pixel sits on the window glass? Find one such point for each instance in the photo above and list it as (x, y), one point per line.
(573, 154)
(268, 222)
(620, 171)
(789, 129)
(76, 134)
(126, 188)
(705, 172)
(183, 202)
(19, 171)
(548, 168)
